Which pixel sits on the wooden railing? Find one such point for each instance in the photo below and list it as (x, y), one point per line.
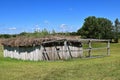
(90, 48)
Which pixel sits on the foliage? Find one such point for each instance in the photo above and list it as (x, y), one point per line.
(42, 33)
(73, 33)
(7, 35)
(116, 30)
(96, 28)
(39, 33)
(53, 32)
(23, 33)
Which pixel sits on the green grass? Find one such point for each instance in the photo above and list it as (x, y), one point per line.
(105, 68)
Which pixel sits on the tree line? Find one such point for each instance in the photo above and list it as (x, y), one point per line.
(93, 27)
(100, 28)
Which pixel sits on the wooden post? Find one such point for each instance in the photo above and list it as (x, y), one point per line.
(65, 50)
(57, 49)
(44, 53)
(69, 52)
(65, 45)
(108, 48)
(90, 48)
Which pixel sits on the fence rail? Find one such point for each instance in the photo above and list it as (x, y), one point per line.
(90, 48)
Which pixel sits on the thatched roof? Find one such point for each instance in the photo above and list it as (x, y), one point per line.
(24, 41)
(1, 40)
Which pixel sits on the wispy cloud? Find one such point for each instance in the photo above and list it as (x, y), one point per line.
(36, 27)
(12, 28)
(67, 28)
(46, 22)
(63, 27)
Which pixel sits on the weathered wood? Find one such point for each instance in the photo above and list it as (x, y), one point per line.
(93, 40)
(70, 52)
(81, 52)
(40, 55)
(108, 48)
(95, 48)
(90, 48)
(45, 54)
(57, 49)
(68, 49)
(65, 49)
(60, 40)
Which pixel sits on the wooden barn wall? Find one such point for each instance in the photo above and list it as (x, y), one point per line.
(24, 53)
(43, 53)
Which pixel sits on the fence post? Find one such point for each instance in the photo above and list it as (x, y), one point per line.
(65, 49)
(108, 48)
(90, 48)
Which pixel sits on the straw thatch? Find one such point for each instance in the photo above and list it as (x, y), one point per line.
(24, 41)
(1, 40)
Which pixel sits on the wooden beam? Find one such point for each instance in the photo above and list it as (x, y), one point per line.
(69, 52)
(93, 40)
(57, 52)
(60, 40)
(46, 54)
(90, 48)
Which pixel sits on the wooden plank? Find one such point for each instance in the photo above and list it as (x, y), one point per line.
(45, 54)
(40, 56)
(57, 52)
(90, 48)
(94, 40)
(60, 40)
(70, 52)
(65, 50)
(44, 57)
(108, 48)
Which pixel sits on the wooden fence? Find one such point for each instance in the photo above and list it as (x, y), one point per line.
(90, 48)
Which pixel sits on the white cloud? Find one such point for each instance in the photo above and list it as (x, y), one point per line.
(46, 22)
(12, 28)
(36, 27)
(63, 27)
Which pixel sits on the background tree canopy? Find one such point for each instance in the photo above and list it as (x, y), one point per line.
(96, 28)
(116, 30)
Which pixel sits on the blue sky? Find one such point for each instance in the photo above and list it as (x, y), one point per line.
(61, 15)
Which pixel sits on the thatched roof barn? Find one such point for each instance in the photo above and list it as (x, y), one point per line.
(46, 48)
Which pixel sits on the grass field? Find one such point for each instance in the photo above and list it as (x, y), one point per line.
(105, 68)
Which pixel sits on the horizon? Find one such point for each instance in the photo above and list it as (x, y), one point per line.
(18, 16)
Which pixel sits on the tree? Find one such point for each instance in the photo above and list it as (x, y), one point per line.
(96, 28)
(45, 32)
(116, 30)
(23, 34)
(53, 32)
